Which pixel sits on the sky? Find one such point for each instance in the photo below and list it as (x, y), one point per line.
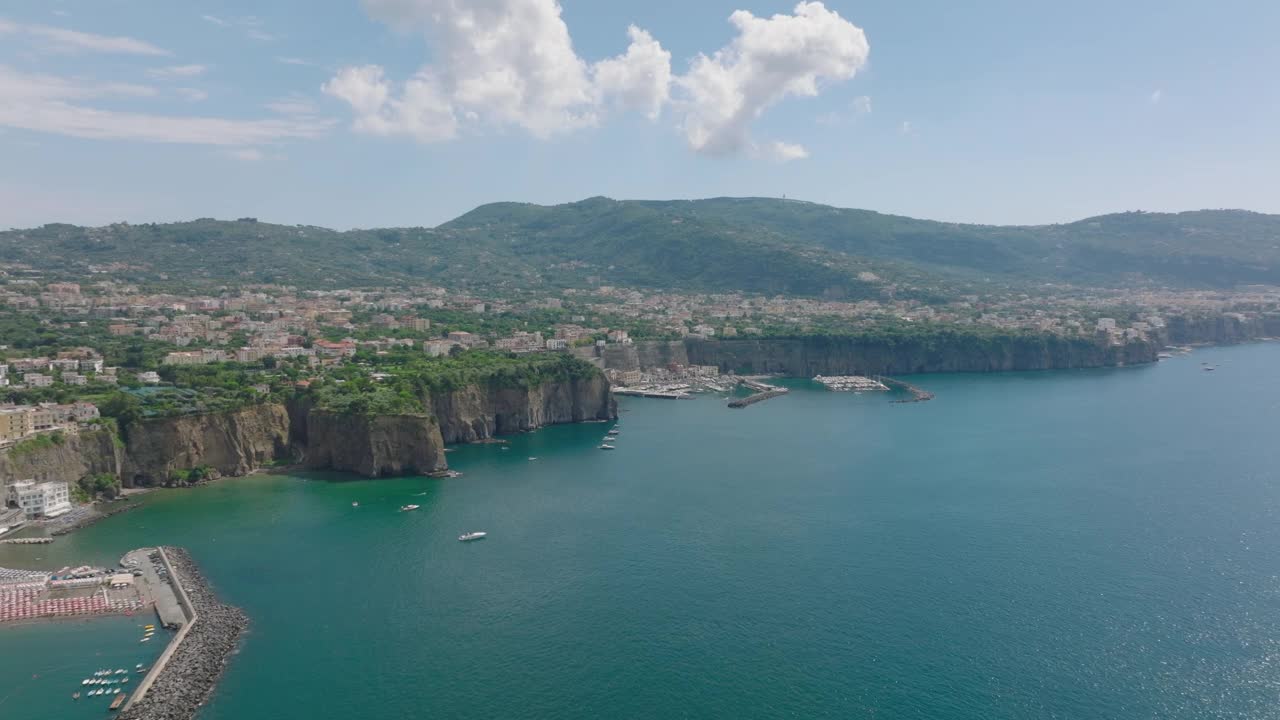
(378, 113)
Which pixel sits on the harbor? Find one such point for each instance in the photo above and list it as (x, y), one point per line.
(851, 383)
(163, 579)
(763, 391)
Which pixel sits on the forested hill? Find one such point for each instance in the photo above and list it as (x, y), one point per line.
(750, 244)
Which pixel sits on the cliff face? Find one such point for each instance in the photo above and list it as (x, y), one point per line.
(806, 357)
(374, 446)
(233, 443)
(645, 354)
(237, 442)
(87, 453)
(1219, 329)
(477, 413)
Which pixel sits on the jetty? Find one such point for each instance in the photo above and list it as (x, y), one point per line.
(665, 394)
(182, 680)
(917, 395)
(763, 391)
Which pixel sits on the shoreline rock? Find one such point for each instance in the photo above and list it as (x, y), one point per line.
(193, 671)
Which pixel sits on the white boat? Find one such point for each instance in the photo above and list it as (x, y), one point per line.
(355, 504)
(84, 682)
(468, 537)
(607, 446)
(407, 508)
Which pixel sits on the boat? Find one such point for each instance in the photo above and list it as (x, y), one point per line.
(115, 704)
(468, 537)
(84, 682)
(124, 680)
(355, 504)
(407, 508)
(531, 459)
(115, 691)
(144, 639)
(75, 696)
(607, 446)
(613, 432)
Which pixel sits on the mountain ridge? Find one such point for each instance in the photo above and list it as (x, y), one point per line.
(758, 245)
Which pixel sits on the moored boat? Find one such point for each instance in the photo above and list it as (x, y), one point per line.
(468, 537)
(607, 446)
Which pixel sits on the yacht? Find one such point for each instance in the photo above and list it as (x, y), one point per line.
(468, 537)
(607, 446)
(407, 508)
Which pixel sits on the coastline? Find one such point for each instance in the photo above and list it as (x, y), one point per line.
(187, 674)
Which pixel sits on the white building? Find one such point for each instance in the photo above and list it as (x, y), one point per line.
(150, 377)
(49, 499)
(37, 379)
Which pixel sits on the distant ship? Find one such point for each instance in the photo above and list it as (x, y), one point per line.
(468, 537)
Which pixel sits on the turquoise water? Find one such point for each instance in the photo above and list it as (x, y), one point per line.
(1097, 544)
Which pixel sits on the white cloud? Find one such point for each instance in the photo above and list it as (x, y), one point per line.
(256, 34)
(53, 104)
(295, 61)
(246, 154)
(420, 111)
(192, 94)
(769, 60)
(906, 128)
(639, 80)
(177, 71)
(213, 19)
(65, 40)
(785, 152)
(511, 63)
(499, 63)
(1156, 96)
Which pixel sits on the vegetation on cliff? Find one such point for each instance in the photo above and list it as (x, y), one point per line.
(725, 244)
(399, 382)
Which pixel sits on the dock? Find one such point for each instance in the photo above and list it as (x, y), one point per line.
(662, 394)
(917, 395)
(764, 391)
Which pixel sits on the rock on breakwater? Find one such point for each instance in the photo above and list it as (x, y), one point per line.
(193, 670)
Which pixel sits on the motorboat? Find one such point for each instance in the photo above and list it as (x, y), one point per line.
(407, 508)
(355, 504)
(468, 537)
(607, 446)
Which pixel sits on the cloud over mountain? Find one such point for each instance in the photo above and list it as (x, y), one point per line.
(511, 63)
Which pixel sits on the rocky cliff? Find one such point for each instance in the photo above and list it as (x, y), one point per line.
(1219, 329)
(233, 443)
(809, 356)
(374, 446)
(91, 452)
(479, 412)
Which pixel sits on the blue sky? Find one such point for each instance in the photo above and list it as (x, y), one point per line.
(410, 112)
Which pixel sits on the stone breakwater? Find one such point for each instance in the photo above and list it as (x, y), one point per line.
(192, 671)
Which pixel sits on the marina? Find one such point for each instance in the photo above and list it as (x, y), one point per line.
(763, 391)
(851, 383)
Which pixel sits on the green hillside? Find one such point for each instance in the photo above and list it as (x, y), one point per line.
(723, 244)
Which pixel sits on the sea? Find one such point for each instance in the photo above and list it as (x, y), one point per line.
(1079, 544)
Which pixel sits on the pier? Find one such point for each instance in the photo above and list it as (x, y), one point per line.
(917, 395)
(184, 677)
(764, 391)
(663, 394)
